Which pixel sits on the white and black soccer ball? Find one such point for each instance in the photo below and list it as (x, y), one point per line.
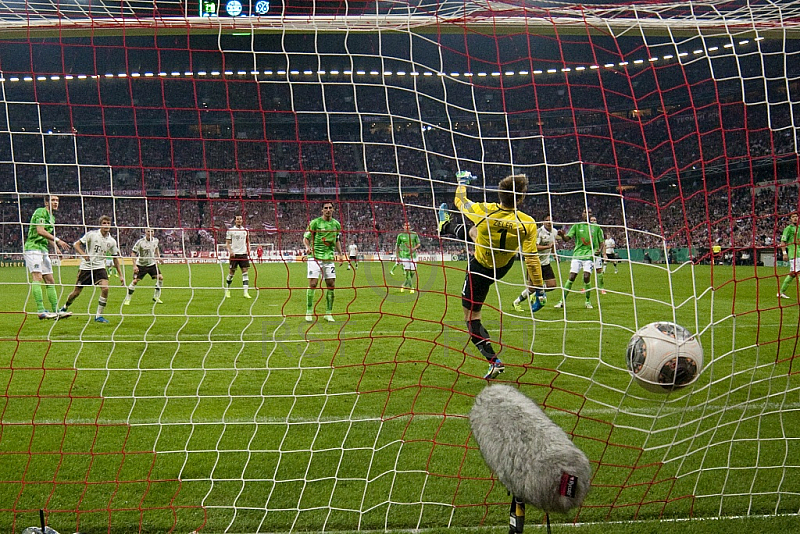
(663, 357)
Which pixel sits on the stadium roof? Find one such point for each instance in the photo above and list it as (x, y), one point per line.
(92, 16)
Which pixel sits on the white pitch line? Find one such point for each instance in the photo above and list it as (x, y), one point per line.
(228, 338)
(587, 412)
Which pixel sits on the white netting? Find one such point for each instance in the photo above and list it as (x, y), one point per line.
(676, 123)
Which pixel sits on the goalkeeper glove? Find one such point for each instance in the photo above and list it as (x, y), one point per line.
(537, 300)
(464, 177)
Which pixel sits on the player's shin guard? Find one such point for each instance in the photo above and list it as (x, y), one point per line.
(52, 297)
(101, 306)
(567, 288)
(480, 338)
(784, 285)
(329, 297)
(309, 300)
(36, 287)
(522, 296)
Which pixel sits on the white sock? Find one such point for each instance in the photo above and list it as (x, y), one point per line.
(523, 296)
(101, 306)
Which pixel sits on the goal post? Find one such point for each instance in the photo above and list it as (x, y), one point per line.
(675, 124)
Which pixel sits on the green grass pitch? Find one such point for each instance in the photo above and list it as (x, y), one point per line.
(237, 415)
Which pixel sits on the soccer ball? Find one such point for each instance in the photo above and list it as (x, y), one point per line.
(663, 357)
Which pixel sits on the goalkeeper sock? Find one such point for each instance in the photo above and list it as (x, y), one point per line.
(229, 280)
(101, 306)
(309, 300)
(36, 286)
(52, 297)
(600, 283)
(329, 296)
(587, 288)
(522, 296)
(480, 338)
(567, 287)
(460, 231)
(784, 285)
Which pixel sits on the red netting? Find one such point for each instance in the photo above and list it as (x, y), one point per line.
(219, 413)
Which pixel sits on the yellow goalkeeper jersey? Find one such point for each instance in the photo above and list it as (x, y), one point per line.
(501, 233)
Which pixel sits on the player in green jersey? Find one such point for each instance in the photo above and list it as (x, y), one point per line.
(588, 239)
(599, 259)
(322, 240)
(110, 269)
(36, 252)
(405, 250)
(789, 245)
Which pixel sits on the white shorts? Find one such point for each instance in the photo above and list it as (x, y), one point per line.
(794, 265)
(598, 263)
(109, 263)
(326, 268)
(577, 266)
(38, 262)
(406, 264)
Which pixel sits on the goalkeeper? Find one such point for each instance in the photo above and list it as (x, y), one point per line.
(500, 231)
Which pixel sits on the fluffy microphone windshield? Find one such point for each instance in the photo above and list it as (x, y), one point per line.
(532, 457)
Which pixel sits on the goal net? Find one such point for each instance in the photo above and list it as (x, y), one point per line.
(675, 124)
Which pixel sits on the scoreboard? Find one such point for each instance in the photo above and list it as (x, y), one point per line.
(234, 8)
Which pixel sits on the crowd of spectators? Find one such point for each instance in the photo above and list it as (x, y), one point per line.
(734, 218)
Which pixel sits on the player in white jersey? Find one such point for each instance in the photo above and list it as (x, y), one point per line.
(352, 253)
(147, 253)
(546, 245)
(237, 242)
(611, 252)
(92, 248)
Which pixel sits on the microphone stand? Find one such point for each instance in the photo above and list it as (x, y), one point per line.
(516, 517)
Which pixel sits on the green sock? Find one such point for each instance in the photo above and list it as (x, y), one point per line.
(784, 285)
(37, 296)
(408, 283)
(329, 296)
(52, 297)
(587, 288)
(600, 281)
(309, 300)
(567, 287)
